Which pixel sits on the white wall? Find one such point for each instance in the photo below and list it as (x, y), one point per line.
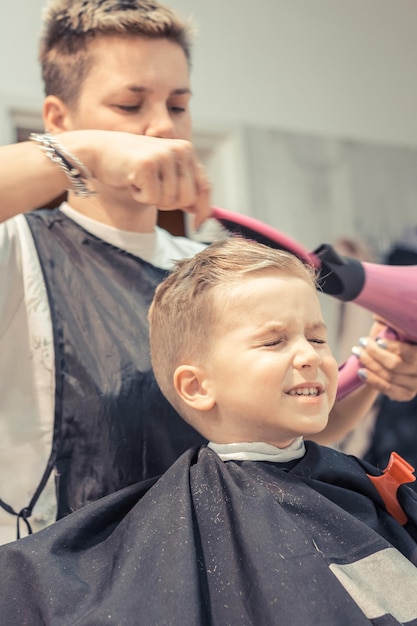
(344, 68)
(340, 67)
(19, 28)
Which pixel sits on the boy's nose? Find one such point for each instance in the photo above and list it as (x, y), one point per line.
(306, 355)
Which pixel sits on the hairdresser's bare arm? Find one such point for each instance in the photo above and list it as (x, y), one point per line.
(27, 179)
(161, 172)
(346, 415)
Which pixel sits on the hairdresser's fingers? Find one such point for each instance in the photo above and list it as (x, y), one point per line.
(154, 179)
(146, 183)
(169, 178)
(388, 366)
(193, 188)
(392, 353)
(184, 186)
(179, 187)
(145, 165)
(201, 209)
(394, 389)
(162, 172)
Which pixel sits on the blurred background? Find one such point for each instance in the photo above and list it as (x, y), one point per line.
(305, 111)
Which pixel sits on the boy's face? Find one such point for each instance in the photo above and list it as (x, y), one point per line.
(270, 369)
(135, 85)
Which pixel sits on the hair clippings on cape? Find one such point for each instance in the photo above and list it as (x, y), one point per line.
(76, 172)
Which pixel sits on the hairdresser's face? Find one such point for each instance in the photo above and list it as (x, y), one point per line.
(270, 369)
(135, 85)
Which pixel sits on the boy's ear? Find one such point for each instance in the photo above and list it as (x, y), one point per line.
(56, 117)
(190, 384)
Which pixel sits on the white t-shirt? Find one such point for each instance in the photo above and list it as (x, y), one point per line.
(27, 375)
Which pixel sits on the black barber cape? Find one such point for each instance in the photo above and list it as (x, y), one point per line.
(214, 543)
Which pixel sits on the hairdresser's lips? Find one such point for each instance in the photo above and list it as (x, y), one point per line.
(308, 391)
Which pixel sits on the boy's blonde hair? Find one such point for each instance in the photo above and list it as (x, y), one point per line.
(187, 305)
(69, 26)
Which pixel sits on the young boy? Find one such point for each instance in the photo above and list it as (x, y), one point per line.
(257, 527)
(81, 414)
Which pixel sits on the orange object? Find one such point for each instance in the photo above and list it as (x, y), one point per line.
(397, 472)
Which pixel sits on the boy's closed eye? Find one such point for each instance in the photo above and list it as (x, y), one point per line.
(273, 342)
(276, 341)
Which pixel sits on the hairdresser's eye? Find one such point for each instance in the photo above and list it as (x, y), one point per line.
(177, 110)
(128, 108)
(178, 104)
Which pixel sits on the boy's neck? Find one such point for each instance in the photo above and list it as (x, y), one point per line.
(258, 451)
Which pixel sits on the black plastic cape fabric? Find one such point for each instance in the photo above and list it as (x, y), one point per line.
(112, 425)
(214, 543)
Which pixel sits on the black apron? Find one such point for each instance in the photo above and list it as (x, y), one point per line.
(113, 427)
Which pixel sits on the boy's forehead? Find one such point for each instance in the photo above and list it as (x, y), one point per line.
(259, 288)
(254, 280)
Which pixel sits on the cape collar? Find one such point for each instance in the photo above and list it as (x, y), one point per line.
(258, 451)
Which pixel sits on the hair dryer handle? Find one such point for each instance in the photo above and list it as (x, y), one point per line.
(348, 372)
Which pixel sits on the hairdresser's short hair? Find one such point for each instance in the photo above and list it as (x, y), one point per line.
(187, 305)
(70, 25)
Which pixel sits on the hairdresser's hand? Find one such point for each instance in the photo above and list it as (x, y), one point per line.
(388, 365)
(162, 172)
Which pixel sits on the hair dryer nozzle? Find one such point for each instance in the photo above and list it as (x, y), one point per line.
(387, 291)
(339, 276)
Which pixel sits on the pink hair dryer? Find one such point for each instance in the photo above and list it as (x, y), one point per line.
(388, 291)
(385, 290)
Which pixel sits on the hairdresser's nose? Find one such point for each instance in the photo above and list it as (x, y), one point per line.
(160, 123)
(306, 354)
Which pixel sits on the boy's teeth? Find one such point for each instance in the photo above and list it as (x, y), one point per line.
(306, 391)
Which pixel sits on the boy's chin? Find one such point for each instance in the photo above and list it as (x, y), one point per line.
(316, 426)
